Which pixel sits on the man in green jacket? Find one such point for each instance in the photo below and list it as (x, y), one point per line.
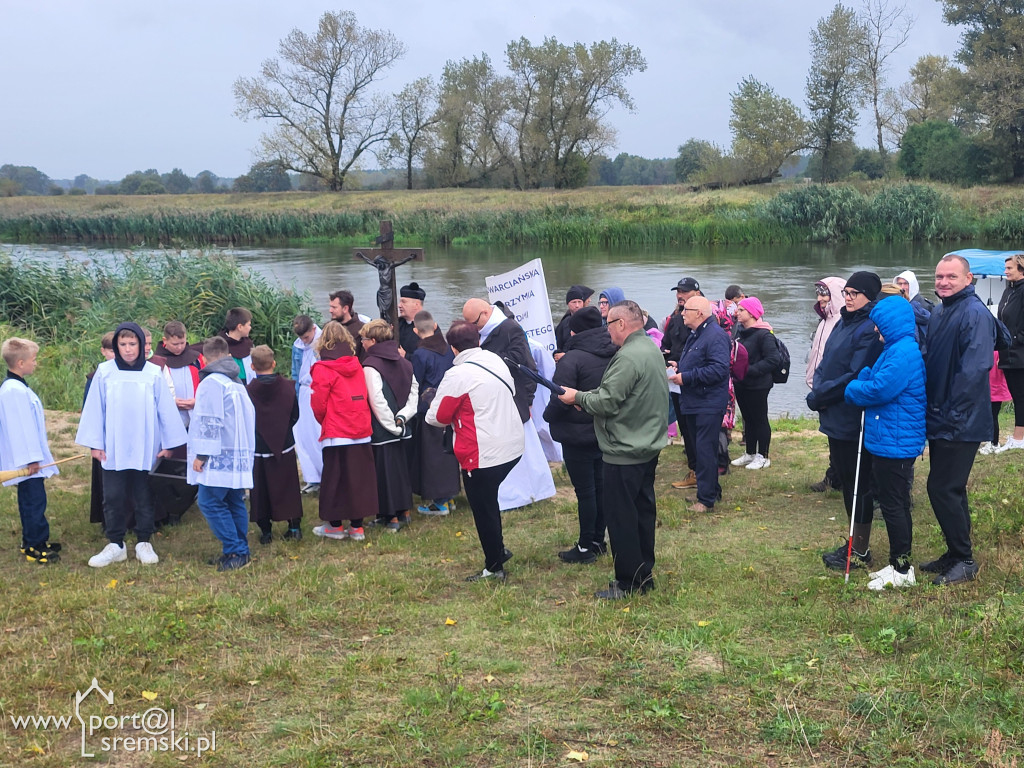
(630, 410)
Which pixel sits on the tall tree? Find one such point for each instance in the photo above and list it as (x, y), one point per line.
(695, 156)
(992, 51)
(766, 128)
(886, 28)
(318, 93)
(835, 82)
(416, 115)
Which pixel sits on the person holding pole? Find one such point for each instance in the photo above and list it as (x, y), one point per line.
(892, 394)
(852, 346)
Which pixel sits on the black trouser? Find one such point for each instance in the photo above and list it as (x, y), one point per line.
(997, 406)
(118, 485)
(892, 480)
(843, 456)
(951, 464)
(1015, 383)
(757, 431)
(702, 430)
(265, 523)
(481, 486)
(632, 517)
(586, 471)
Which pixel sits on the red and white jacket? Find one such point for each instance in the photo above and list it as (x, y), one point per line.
(339, 400)
(481, 409)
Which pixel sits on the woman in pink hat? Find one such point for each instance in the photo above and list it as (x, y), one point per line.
(752, 392)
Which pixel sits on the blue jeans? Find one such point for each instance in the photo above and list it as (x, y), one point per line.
(224, 510)
(35, 530)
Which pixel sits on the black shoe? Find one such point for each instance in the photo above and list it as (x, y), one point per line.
(578, 555)
(234, 562)
(958, 573)
(819, 487)
(616, 592)
(599, 547)
(217, 560)
(293, 534)
(404, 520)
(487, 575)
(43, 556)
(266, 537)
(836, 559)
(940, 565)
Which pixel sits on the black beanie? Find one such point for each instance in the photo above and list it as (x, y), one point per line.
(585, 319)
(867, 283)
(412, 291)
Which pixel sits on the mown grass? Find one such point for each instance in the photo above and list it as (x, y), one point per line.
(327, 653)
(594, 216)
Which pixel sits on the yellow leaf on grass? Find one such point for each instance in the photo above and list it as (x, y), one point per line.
(579, 757)
(489, 679)
(703, 623)
(626, 609)
(458, 534)
(812, 663)
(293, 557)
(254, 682)
(201, 706)
(112, 584)
(149, 695)
(450, 622)
(36, 748)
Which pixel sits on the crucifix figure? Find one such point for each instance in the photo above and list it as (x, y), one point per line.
(385, 259)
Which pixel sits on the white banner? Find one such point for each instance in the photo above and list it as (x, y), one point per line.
(525, 292)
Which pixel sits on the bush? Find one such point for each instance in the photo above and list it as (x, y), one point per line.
(830, 212)
(909, 212)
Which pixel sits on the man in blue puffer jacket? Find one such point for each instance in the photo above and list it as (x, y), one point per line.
(893, 397)
(852, 345)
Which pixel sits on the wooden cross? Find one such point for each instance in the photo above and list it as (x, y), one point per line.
(385, 259)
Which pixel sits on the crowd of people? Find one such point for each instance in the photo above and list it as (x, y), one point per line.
(375, 416)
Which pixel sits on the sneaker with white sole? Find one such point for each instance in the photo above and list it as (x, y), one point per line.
(759, 462)
(437, 508)
(112, 553)
(144, 553)
(890, 577)
(987, 449)
(1010, 445)
(331, 531)
(743, 460)
(356, 534)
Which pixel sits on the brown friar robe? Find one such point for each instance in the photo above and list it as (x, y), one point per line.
(275, 474)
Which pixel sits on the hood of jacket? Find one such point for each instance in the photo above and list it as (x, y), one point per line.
(140, 361)
(347, 366)
(225, 365)
(894, 318)
(910, 277)
(835, 304)
(596, 341)
(614, 295)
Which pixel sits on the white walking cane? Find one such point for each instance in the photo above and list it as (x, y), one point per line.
(853, 510)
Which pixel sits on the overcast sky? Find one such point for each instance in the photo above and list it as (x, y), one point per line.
(107, 87)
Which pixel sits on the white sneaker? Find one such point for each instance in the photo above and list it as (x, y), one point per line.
(890, 577)
(144, 553)
(112, 553)
(1009, 445)
(987, 449)
(743, 460)
(759, 462)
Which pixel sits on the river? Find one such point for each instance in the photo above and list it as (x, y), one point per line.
(782, 277)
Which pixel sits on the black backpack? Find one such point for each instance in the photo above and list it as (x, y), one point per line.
(781, 374)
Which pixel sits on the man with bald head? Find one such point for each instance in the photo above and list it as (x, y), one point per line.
(630, 410)
(702, 374)
(502, 335)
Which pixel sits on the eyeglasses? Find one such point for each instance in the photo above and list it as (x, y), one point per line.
(690, 309)
(602, 301)
(851, 294)
(617, 320)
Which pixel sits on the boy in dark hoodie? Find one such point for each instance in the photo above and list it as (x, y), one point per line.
(221, 444)
(275, 492)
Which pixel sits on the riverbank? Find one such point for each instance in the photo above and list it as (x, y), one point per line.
(377, 654)
(594, 216)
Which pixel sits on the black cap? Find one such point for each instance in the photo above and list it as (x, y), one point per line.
(585, 319)
(686, 285)
(412, 291)
(867, 283)
(578, 292)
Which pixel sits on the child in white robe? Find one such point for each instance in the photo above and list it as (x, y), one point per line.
(23, 445)
(128, 421)
(307, 431)
(221, 448)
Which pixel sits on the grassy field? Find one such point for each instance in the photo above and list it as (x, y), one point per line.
(605, 216)
(328, 653)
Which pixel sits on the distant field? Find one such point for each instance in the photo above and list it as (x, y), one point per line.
(622, 216)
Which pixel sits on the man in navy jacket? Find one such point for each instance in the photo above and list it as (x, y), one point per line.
(958, 355)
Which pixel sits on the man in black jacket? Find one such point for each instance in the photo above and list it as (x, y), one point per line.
(962, 334)
(502, 335)
(576, 298)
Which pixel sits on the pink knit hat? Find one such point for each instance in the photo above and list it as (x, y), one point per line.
(753, 305)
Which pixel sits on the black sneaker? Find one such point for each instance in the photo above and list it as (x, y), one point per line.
(942, 564)
(616, 592)
(234, 562)
(600, 547)
(42, 556)
(578, 555)
(216, 560)
(836, 559)
(293, 534)
(506, 555)
(404, 520)
(266, 537)
(487, 575)
(959, 572)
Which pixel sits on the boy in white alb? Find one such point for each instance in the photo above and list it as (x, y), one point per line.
(221, 447)
(23, 445)
(307, 430)
(129, 420)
